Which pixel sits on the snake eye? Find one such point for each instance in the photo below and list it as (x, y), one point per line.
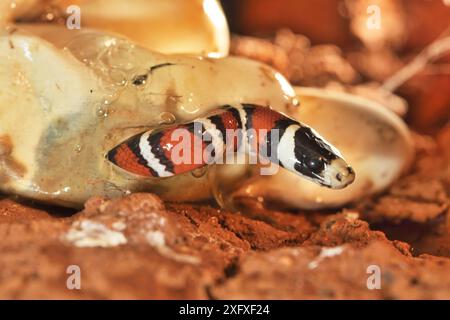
(315, 165)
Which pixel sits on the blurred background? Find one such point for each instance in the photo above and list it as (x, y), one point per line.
(331, 43)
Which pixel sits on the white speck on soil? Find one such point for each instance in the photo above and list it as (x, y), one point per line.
(156, 238)
(158, 241)
(119, 225)
(91, 234)
(325, 253)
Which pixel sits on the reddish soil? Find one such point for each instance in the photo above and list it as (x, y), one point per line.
(140, 247)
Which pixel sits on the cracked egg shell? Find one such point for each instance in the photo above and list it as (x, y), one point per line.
(168, 26)
(68, 96)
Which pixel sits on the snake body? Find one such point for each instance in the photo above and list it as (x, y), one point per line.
(249, 128)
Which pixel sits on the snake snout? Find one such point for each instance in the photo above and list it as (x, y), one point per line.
(339, 174)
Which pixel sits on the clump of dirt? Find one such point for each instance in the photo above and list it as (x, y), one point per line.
(311, 272)
(416, 209)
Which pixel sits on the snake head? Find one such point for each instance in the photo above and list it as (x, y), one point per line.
(315, 159)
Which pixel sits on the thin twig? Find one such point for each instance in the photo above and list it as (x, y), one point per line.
(432, 52)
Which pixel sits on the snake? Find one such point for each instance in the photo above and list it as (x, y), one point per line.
(243, 128)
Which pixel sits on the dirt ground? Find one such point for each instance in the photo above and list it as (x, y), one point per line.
(140, 247)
